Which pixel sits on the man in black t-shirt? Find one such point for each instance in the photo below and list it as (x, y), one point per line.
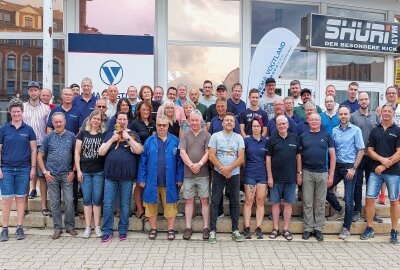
(314, 145)
(283, 164)
(384, 150)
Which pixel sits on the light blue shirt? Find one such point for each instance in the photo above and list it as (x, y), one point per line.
(348, 142)
(226, 148)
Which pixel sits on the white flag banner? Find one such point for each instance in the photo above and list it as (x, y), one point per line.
(270, 57)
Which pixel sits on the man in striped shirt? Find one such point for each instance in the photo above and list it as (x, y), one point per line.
(35, 115)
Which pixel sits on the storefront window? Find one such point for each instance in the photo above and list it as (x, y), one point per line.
(193, 20)
(302, 65)
(267, 16)
(23, 63)
(359, 14)
(350, 67)
(27, 16)
(193, 64)
(133, 17)
(341, 95)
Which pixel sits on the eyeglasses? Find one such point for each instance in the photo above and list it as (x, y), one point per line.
(98, 106)
(162, 125)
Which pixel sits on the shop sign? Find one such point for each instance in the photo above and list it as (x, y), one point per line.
(353, 34)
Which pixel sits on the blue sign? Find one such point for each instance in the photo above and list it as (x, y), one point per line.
(111, 72)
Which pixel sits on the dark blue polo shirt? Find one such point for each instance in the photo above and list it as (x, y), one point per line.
(255, 153)
(72, 118)
(283, 153)
(239, 107)
(354, 106)
(272, 126)
(385, 143)
(212, 111)
(303, 127)
(248, 115)
(161, 165)
(85, 108)
(16, 148)
(297, 119)
(314, 148)
(216, 125)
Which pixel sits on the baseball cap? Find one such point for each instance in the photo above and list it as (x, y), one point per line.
(304, 90)
(270, 80)
(33, 84)
(221, 87)
(74, 85)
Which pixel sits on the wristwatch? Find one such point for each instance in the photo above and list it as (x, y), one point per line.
(44, 172)
(300, 173)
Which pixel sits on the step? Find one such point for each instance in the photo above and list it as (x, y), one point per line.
(37, 220)
(34, 205)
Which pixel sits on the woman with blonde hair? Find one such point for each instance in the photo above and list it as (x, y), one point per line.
(90, 169)
(188, 108)
(168, 109)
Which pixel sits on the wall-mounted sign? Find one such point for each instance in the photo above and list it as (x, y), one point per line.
(353, 34)
(111, 59)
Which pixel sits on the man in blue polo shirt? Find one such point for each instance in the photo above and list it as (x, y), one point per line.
(212, 110)
(246, 117)
(349, 148)
(284, 171)
(384, 150)
(329, 118)
(216, 122)
(314, 145)
(235, 101)
(352, 101)
(86, 103)
(72, 115)
(279, 109)
(304, 126)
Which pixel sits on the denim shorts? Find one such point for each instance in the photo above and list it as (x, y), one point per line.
(285, 191)
(253, 182)
(375, 182)
(15, 181)
(93, 188)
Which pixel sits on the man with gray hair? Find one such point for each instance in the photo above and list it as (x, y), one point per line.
(182, 92)
(101, 106)
(304, 126)
(59, 172)
(158, 94)
(194, 95)
(112, 100)
(85, 102)
(193, 148)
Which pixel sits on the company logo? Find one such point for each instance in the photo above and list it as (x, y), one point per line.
(111, 72)
(353, 30)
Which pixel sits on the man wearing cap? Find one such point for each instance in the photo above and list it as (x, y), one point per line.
(36, 114)
(76, 89)
(305, 96)
(267, 99)
(207, 98)
(352, 101)
(212, 111)
(86, 102)
(295, 89)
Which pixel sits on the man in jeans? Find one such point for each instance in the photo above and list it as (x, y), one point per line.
(59, 173)
(316, 175)
(349, 148)
(193, 148)
(226, 153)
(384, 150)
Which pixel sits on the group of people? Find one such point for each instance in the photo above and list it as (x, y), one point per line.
(148, 148)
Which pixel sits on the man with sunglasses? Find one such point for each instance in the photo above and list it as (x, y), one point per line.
(101, 106)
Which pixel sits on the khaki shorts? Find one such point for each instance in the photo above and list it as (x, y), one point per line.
(198, 186)
(170, 209)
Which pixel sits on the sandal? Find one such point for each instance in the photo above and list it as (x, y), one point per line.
(274, 234)
(46, 212)
(288, 236)
(171, 235)
(153, 234)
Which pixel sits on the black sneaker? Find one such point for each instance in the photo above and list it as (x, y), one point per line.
(4, 235)
(393, 237)
(20, 235)
(318, 235)
(33, 194)
(247, 233)
(259, 233)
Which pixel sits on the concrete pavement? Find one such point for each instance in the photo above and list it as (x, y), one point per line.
(38, 251)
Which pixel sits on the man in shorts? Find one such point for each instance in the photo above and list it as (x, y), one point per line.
(384, 150)
(284, 171)
(193, 148)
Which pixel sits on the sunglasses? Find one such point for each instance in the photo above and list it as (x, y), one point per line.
(101, 106)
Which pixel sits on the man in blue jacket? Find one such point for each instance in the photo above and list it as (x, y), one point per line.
(161, 175)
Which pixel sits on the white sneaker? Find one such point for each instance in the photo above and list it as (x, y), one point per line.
(87, 232)
(98, 231)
